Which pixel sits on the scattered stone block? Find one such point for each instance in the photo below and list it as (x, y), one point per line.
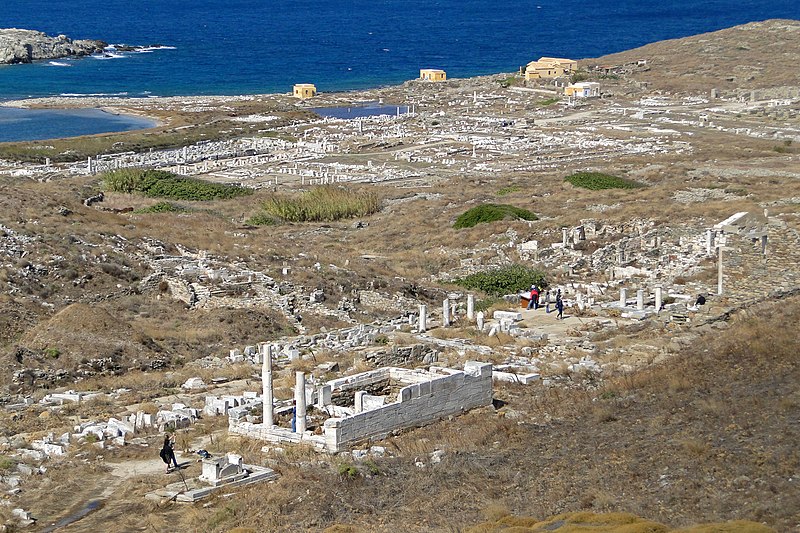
(507, 315)
(193, 383)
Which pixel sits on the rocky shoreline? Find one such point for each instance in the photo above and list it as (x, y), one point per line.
(25, 46)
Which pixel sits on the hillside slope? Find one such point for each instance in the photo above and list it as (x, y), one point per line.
(750, 56)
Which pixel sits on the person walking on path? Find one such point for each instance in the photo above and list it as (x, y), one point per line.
(168, 452)
(560, 307)
(534, 301)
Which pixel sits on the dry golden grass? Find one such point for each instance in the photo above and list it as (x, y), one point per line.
(584, 522)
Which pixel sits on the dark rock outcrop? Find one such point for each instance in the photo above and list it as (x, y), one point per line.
(25, 46)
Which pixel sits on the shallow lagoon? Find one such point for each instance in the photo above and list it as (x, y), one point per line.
(18, 124)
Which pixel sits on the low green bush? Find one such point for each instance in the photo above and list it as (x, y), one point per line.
(7, 463)
(596, 181)
(261, 219)
(504, 280)
(509, 190)
(162, 184)
(52, 353)
(323, 204)
(492, 213)
(162, 207)
(348, 470)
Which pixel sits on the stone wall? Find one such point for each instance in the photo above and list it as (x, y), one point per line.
(402, 355)
(418, 404)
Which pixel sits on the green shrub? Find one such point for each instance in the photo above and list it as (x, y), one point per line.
(597, 181)
(52, 353)
(7, 463)
(485, 303)
(348, 470)
(491, 213)
(546, 102)
(578, 76)
(508, 190)
(323, 204)
(505, 280)
(162, 184)
(509, 81)
(261, 219)
(162, 207)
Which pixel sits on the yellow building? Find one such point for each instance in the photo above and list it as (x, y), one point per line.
(549, 67)
(304, 90)
(568, 64)
(432, 74)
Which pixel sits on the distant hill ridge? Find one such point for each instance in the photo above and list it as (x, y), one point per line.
(750, 56)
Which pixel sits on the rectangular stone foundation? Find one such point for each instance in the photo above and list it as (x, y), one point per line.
(424, 398)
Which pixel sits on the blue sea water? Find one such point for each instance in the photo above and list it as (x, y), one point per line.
(36, 124)
(258, 46)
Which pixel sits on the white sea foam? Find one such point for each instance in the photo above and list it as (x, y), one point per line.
(146, 49)
(108, 55)
(58, 64)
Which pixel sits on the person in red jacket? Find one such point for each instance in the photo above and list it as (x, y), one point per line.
(534, 302)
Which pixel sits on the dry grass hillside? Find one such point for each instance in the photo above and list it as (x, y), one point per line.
(689, 422)
(751, 56)
(709, 436)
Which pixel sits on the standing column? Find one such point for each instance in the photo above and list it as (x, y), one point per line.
(446, 313)
(564, 236)
(479, 319)
(423, 318)
(640, 299)
(266, 383)
(623, 297)
(470, 307)
(89, 165)
(658, 299)
(764, 244)
(710, 242)
(719, 271)
(300, 402)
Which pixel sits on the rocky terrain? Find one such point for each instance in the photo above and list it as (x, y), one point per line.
(121, 308)
(25, 46)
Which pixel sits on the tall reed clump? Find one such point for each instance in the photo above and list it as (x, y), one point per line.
(322, 204)
(162, 184)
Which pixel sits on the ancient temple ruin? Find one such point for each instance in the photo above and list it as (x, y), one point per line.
(344, 411)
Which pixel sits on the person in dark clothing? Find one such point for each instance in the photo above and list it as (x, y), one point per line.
(168, 452)
(560, 306)
(700, 300)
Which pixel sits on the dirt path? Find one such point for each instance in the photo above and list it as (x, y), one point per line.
(127, 469)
